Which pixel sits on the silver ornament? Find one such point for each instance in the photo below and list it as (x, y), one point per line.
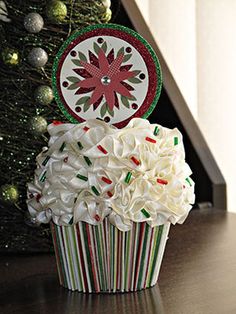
(38, 57)
(33, 23)
(43, 95)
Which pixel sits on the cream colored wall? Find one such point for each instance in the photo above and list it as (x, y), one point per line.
(198, 40)
(144, 6)
(216, 51)
(173, 24)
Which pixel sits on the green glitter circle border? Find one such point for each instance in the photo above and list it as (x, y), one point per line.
(102, 26)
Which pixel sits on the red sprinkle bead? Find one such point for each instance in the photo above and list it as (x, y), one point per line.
(102, 149)
(85, 128)
(106, 180)
(55, 122)
(184, 186)
(97, 217)
(136, 161)
(38, 196)
(151, 140)
(161, 181)
(65, 159)
(109, 194)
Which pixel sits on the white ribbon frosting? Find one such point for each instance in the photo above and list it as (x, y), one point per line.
(69, 181)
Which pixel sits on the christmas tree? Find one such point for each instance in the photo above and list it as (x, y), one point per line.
(31, 33)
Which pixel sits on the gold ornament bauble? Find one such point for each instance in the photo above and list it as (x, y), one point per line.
(10, 56)
(43, 95)
(9, 193)
(56, 11)
(39, 125)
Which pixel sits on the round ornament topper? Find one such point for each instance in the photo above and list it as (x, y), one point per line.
(106, 72)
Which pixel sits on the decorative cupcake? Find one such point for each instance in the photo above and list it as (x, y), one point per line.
(109, 188)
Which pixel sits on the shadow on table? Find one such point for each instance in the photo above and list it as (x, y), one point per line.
(42, 294)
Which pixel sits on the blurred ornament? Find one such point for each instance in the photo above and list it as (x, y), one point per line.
(9, 193)
(43, 95)
(106, 16)
(39, 125)
(10, 56)
(38, 57)
(3, 12)
(33, 23)
(106, 3)
(56, 11)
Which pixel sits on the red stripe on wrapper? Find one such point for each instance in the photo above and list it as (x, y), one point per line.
(139, 254)
(95, 279)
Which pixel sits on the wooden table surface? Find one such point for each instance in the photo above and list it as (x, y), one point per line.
(198, 276)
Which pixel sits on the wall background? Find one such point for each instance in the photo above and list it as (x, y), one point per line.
(198, 40)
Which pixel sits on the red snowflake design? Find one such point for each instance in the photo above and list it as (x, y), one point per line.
(105, 76)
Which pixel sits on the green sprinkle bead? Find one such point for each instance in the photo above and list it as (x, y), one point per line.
(156, 130)
(95, 191)
(146, 214)
(80, 145)
(128, 177)
(176, 140)
(88, 161)
(82, 177)
(45, 161)
(62, 147)
(43, 177)
(189, 182)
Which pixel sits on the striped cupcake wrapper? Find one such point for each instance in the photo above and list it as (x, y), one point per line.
(104, 259)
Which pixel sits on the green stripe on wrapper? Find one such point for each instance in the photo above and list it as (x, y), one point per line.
(69, 254)
(154, 257)
(74, 245)
(143, 257)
